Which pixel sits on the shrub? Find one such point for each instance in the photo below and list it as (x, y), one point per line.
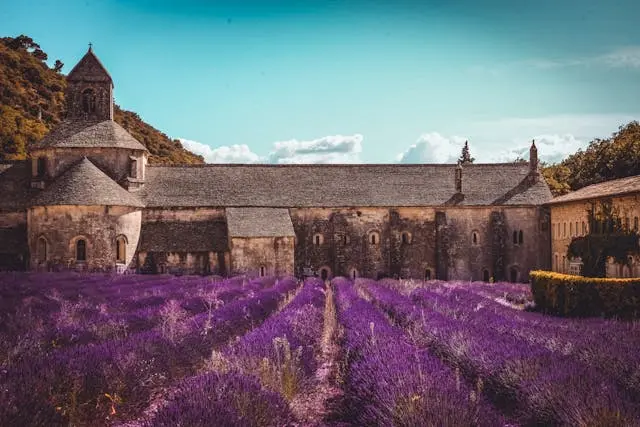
(577, 296)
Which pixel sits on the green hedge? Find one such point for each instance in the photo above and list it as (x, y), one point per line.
(577, 296)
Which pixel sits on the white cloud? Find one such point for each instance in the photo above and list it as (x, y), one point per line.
(621, 57)
(329, 149)
(433, 148)
(625, 57)
(225, 154)
(551, 149)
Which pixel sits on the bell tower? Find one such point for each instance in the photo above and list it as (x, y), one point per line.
(89, 92)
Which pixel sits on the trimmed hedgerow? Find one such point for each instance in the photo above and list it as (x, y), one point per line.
(577, 296)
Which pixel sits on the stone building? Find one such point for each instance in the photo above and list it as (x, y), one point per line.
(569, 219)
(88, 200)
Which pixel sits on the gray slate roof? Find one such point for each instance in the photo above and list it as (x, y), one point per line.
(89, 68)
(259, 222)
(15, 183)
(340, 185)
(76, 133)
(614, 187)
(179, 236)
(85, 184)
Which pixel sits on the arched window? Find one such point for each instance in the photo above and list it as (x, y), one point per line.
(88, 101)
(374, 238)
(564, 229)
(427, 274)
(262, 271)
(485, 275)
(584, 228)
(347, 240)
(43, 249)
(41, 167)
(626, 223)
(121, 249)
(515, 237)
(406, 238)
(570, 229)
(475, 238)
(81, 250)
(520, 237)
(577, 228)
(318, 239)
(564, 264)
(555, 263)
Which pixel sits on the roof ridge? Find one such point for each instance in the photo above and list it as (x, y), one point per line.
(328, 165)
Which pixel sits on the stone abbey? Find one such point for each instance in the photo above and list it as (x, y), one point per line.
(87, 200)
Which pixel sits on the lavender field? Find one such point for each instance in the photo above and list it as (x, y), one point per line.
(93, 350)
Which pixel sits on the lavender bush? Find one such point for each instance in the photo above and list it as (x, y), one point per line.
(390, 381)
(529, 381)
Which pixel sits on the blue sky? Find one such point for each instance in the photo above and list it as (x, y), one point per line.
(357, 81)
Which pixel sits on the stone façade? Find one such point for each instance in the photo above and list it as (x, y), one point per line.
(89, 180)
(569, 219)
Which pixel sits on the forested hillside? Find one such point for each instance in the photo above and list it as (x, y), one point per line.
(603, 160)
(32, 102)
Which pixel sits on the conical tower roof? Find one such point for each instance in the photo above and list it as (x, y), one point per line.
(88, 134)
(84, 184)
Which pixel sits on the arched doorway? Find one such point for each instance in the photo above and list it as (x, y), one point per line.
(485, 275)
(427, 274)
(513, 274)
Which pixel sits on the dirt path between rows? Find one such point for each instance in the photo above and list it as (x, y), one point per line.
(313, 407)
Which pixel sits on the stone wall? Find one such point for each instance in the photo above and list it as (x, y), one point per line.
(267, 256)
(569, 220)
(115, 162)
(12, 219)
(422, 242)
(99, 226)
(14, 251)
(182, 262)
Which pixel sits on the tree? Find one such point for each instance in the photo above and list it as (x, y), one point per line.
(607, 238)
(465, 157)
(57, 67)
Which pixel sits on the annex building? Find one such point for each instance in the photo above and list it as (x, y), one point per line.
(570, 219)
(88, 200)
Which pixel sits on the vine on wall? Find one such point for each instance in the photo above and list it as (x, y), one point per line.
(607, 238)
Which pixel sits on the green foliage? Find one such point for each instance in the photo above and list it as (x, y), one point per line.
(607, 238)
(465, 157)
(29, 87)
(603, 160)
(577, 296)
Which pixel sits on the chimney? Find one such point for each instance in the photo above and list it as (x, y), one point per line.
(459, 178)
(533, 162)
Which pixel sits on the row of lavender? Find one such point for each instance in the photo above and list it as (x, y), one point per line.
(534, 369)
(40, 316)
(389, 380)
(109, 379)
(253, 380)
